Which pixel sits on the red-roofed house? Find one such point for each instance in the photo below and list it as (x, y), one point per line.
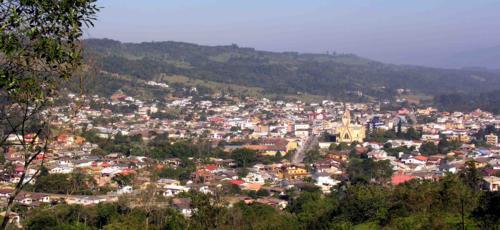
(236, 182)
(421, 158)
(211, 167)
(399, 179)
(202, 176)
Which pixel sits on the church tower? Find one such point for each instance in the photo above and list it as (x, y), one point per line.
(350, 132)
(346, 118)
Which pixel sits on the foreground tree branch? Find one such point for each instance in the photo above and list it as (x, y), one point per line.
(39, 48)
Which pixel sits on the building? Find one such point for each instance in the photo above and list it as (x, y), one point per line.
(292, 172)
(350, 132)
(492, 183)
(491, 139)
(325, 181)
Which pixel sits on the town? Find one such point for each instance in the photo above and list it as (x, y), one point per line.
(249, 115)
(245, 149)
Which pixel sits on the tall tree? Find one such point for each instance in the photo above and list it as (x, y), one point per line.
(39, 47)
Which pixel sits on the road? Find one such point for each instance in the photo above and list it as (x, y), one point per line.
(300, 154)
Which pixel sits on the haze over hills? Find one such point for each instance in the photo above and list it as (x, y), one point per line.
(336, 75)
(485, 58)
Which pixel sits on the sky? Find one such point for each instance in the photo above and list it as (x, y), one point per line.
(418, 32)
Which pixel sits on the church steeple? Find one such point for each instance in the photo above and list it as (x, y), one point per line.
(346, 118)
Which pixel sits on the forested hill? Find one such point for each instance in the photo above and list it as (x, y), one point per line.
(336, 75)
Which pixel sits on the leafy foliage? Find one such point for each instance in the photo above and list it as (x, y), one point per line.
(39, 41)
(366, 170)
(411, 205)
(489, 101)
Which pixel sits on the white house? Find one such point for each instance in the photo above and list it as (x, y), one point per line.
(61, 169)
(254, 178)
(85, 200)
(205, 190)
(125, 190)
(325, 181)
(413, 161)
(377, 154)
(172, 190)
(492, 183)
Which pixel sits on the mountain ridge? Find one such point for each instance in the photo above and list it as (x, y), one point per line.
(483, 58)
(336, 75)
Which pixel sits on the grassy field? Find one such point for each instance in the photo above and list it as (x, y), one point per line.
(215, 86)
(235, 89)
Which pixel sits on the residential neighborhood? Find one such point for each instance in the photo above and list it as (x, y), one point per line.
(248, 149)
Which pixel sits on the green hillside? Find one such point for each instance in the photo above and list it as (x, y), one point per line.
(335, 75)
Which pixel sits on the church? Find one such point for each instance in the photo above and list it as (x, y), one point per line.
(350, 132)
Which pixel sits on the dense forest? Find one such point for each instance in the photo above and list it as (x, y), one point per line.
(336, 75)
(489, 101)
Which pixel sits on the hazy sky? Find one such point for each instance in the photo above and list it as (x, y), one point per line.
(396, 31)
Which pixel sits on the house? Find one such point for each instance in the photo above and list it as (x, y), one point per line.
(401, 178)
(274, 202)
(165, 182)
(377, 154)
(205, 190)
(202, 176)
(61, 169)
(86, 200)
(211, 168)
(422, 158)
(409, 159)
(183, 205)
(6, 192)
(492, 183)
(254, 178)
(436, 159)
(328, 166)
(271, 147)
(40, 197)
(325, 181)
(236, 182)
(292, 172)
(125, 190)
(491, 139)
(325, 145)
(24, 198)
(14, 218)
(172, 190)
(173, 162)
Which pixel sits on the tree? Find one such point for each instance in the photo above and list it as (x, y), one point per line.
(98, 152)
(40, 41)
(443, 146)
(366, 170)
(53, 183)
(41, 221)
(312, 156)
(244, 157)
(471, 176)
(488, 211)
(123, 180)
(313, 211)
(428, 148)
(342, 146)
(80, 182)
(257, 216)
(332, 146)
(263, 192)
(412, 134)
(39, 46)
(399, 132)
(366, 202)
